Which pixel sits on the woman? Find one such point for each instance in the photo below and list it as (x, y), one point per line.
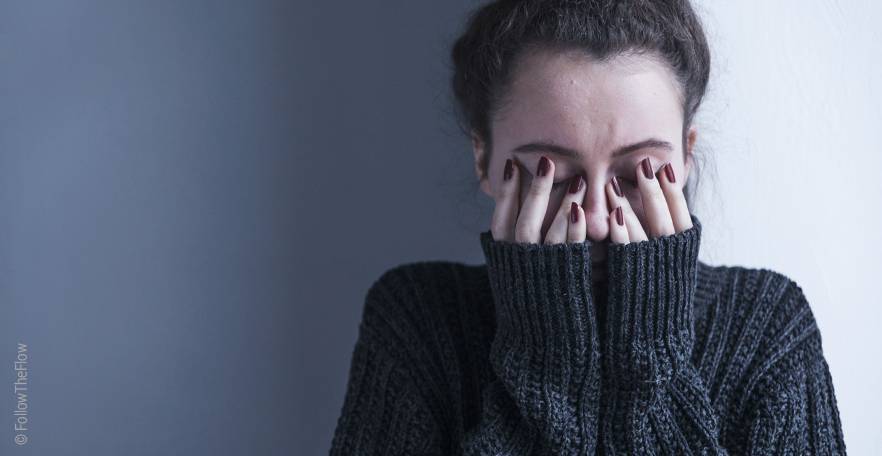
(593, 327)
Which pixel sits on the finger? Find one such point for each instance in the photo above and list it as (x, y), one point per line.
(616, 197)
(673, 192)
(529, 224)
(578, 229)
(507, 198)
(618, 232)
(558, 232)
(658, 217)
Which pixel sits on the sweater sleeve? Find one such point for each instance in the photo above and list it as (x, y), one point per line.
(545, 352)
(789, 401)
(385, 410)
(655, 402)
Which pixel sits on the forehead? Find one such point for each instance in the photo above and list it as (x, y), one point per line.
(568, 97)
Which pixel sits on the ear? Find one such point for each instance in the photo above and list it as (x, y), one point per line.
(480, 151)
(691, 137)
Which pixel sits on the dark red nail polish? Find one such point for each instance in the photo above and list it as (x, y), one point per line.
(544, 164)
(647, 168)
(574, 212)
(669, 172)
(575, 183)
(616, 187)
(506, 175)
(620, 216)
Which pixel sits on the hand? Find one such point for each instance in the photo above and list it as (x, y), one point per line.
(664, 206)
(513, 224)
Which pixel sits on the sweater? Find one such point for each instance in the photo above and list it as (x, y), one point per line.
(525, 355)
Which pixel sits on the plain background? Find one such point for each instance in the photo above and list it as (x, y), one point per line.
(197, 195)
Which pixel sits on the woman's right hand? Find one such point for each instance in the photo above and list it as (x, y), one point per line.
(513, 223)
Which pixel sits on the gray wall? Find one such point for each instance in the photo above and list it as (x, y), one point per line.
(195, 197)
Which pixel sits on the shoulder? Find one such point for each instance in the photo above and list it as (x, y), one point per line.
(754, 285)
(419, 307)
(760, 306)
(420, 283)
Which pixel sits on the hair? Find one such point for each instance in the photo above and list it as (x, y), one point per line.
(499, 33)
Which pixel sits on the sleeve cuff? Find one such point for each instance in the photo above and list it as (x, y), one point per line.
(649, 321)
(545, 317)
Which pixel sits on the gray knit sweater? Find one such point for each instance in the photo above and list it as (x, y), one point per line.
(524, 356)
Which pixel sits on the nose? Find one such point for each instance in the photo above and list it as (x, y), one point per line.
(596, 209)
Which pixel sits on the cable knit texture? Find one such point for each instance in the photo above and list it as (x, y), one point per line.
(525, 355)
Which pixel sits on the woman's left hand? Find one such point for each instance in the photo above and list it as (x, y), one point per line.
(664, 206)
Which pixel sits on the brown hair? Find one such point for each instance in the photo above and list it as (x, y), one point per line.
(497, 33)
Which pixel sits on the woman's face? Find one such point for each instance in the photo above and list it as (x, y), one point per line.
(592, 110)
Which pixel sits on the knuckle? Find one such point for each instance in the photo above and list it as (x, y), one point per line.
(539, 186)
(505, 191)
(536, 191)
(652, 189)
(564, 210)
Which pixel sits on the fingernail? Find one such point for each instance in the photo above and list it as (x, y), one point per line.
(620, 217)
(544, 164)
(669, 171)
(576, 183)
(506, 175)
(647, 168)
(574, 212)
(616, 187)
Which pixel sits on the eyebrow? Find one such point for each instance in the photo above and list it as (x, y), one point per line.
(541, 146)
